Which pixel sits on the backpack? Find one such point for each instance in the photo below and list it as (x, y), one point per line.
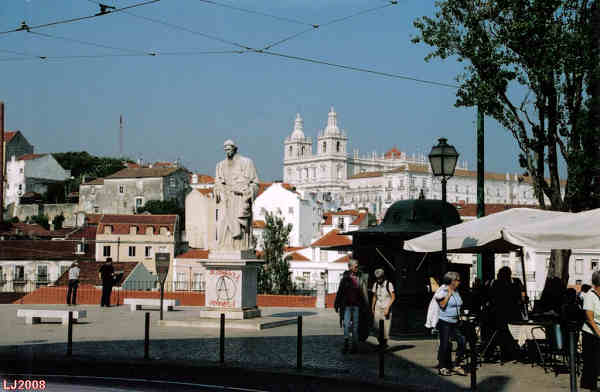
(387, 287)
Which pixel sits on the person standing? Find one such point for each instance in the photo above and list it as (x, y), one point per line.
(348, 301)
(450, 303)
(73, 284)
(591, 336)
(383, 298)
(106, 273)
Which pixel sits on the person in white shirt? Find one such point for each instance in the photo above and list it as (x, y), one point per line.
(73, 284)
(383, 298)
(591, 335)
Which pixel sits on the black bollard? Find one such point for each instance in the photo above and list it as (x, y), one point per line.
(222, 340)
(381, 348)
(573, 370)
(299, 345)
(473, 362)
(147, 337)
(70, 335)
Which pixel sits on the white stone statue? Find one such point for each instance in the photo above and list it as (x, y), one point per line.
(236, 187)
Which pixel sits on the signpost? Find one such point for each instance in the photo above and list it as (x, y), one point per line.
(162, 261)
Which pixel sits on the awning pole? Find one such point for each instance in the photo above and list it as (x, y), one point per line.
(524, 282)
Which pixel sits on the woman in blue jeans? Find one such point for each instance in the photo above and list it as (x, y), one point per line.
(450, 303)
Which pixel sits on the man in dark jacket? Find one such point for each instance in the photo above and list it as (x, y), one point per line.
(106, 273)
(349, 301)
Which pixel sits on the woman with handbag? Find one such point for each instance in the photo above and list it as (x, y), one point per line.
(591, 336)
(450, 302)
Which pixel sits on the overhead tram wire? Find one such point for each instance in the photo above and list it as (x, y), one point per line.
(103, 11)
(33, 56)
(109, 55)
(249, 11)
(81, 42)
(334, 21)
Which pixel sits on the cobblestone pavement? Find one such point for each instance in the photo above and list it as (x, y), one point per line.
(116, 334)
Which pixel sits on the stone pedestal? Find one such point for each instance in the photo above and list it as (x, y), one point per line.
(320, 294)
(231, 285)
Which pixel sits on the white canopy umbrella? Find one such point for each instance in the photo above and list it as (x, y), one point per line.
(484, 233)
(569, 231)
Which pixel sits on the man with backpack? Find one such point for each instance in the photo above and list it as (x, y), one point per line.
(349, 302)
(383, 298)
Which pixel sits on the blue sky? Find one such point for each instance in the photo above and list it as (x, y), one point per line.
(184, 106)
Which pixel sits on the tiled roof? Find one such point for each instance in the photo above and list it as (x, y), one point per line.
(259, 224)
(131, 165)
(163, 164)
(359, 218)
(143, 172)
(25, 229)
(194, 254)
(121, 224)
(392, 154)
(205, 191)
(343, 259)
(203, 179)
(293, 248)
(264, 185)
(93, 219)
(329, 215)
(88, 273)
(41, 250)
(87, 233)
(29, 157)
(298, 257)
(97, 181)
(9, 135)
(332, 239)
(470, 210)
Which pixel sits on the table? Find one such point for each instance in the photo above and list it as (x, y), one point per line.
(522, 330)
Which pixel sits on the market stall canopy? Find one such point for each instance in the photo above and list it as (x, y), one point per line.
(484, 233)
(569, 231)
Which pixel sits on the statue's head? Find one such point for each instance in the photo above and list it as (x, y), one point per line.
(230, 148)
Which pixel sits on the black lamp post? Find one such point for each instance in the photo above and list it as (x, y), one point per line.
(442, 159)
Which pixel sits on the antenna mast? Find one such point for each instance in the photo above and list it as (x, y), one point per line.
(121, 136)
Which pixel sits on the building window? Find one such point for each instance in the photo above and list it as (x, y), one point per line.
(306, 276)
(172, 183)
(198, 283)
(19, 272)
(20, 187)
(595, 264)
(132, 251)
(324, 147)
(106, 251)
(42, 273)
(217, 215)
(121, 188)
(291, 210)
(579, 266)
(139, 202)
(96, 209)
(578, 282)
(337, 147)
(63, 269)
(323, 256)
(21, 170)
(290, 151)
(148, 251)
(180, 284)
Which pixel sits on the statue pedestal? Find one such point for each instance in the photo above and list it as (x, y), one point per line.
(231, 285)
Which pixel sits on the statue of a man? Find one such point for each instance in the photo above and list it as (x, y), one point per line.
(236, 187)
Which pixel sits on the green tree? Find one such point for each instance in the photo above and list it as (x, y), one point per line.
(58, 221)
(545, 49)
(40, 219)
(164, 207)
(274, 276)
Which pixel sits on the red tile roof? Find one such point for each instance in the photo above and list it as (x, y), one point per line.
(121, 224)
(259, 224)
(332, 239)
(329, 215)
(29, 157)
(343, 259)
(264, 185)
(42, 250)
(88, 273)
(87, 233)
(163, 164)
(393, 153)
(12, 229)
(470, 210)
(97, 181)
(361, 217)
(293, 248)
(203, 179)
(194, 254)
(298, 257)
(205, 191)
(132, 165)
(143, 172)
(9, 135)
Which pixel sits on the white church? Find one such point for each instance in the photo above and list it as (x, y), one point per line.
(374, 182)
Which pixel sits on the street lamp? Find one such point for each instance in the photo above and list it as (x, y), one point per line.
(442, 159)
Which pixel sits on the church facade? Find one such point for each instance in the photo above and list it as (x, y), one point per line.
(327, 171)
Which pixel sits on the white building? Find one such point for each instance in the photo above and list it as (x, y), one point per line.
(376, 181)
(32, 173)
(305, 215)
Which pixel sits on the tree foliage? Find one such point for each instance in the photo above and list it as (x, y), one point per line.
(40, 219)
(58, 221)
(546, 49)
(274, 276)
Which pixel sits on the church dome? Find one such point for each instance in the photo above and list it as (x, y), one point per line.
(298, 132)
(332, 128)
